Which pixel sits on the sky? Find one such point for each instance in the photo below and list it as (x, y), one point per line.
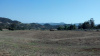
(51, 11)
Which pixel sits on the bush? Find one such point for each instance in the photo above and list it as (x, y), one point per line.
(0, 29)
(11, 29)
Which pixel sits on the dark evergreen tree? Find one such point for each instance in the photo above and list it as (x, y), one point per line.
(60, 28)
(12, 27)
(66, 27)
(80, 26)
(98, 26)
(72, 27)
(92, 23)
(86, 25)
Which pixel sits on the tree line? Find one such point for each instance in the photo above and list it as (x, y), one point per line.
(6, 23)
(90, 24)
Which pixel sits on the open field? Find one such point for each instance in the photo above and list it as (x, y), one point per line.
(49, 43)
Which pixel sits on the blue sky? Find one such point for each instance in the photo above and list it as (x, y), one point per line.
(43, 11)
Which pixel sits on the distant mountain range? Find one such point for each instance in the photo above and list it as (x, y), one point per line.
(53, 23)
(9, 21)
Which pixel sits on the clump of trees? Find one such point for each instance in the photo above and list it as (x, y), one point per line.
(71, 27)
(12, 27)
(87, 25)
(90, 24)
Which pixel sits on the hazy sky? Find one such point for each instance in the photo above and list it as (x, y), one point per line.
(42, 11)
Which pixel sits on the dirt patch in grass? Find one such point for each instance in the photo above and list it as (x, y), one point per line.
(5, 54)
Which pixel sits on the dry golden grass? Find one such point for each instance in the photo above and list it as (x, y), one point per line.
(49, 43)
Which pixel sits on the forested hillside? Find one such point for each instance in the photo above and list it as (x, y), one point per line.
(6, 23)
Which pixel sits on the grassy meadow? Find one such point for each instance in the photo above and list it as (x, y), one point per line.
(49, 43)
